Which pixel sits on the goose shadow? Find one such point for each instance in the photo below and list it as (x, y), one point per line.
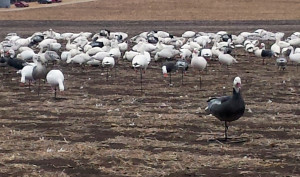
(237, 140)
(59, 99)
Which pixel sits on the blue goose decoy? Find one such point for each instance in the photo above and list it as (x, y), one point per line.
(228, 108)
(183, 66)
(39, 71)
(169, 67)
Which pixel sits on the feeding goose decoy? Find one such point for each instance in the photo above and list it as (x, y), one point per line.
(14, 62)
(56, 79)
(228, 108)
(167, 68)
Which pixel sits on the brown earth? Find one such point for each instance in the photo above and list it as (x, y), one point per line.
(108, 128)
(159, 10)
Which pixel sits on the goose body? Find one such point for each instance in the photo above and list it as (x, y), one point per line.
(141, 61)
(198, 62)
(168, 67)
(228, 108)
(26, 74)
(294, 57)
(226, 59)
(56, 79)
(129, 55)
(108, 62)
(100, 55)
(166, 53)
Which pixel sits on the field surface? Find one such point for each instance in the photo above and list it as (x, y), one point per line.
(110, 128)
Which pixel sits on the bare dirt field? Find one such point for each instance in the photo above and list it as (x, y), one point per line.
(108, 128)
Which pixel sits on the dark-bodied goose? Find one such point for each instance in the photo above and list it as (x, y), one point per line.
(228, 108)
(169, 67)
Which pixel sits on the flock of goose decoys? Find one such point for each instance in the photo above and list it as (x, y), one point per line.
(32, 55)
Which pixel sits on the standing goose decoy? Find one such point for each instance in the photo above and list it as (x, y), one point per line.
(169, 67)
(3, 59)
(263, 52)
(108, 62)
(39, 71)
(141, 62)
(281, 63)
(228, 108)
(26, 75)
(294, 57)
(183, 66)
(198, 63)
(56, 79)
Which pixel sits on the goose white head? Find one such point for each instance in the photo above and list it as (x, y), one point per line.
(237, 83)
(164, 70)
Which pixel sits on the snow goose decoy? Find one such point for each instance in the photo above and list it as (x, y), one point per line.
(15, 62)
(183, 66)
(3, 59)
(56, 79)
(263, 52)
(26, 75)
(198, 63)
(39, 71)
(167, 68)
(281, 63)
(108, 62)
(228, 108)
(226, 59)
(294, 57)
(141, 62)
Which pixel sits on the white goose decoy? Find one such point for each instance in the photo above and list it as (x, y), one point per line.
(294, 42)
(39, 71)
(206, 53)
(143, 46)
(44, 43)
(65, 55)
(56, 79)
(294, 57)
(141, 61)
(22, 49)
(123, 46)
(26, 55)
(94, 50)
(166, 53)
(54, 46)
(188, 34)
(108, 62)
(278, 45)
(70, 46)
(80, 58)
(26, 75)
(23, 42)
(129, 55)
(185, 54)
(198, 63)
(226, 59)
(100, 55)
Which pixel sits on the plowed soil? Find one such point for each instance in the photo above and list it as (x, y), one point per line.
(102, 127)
